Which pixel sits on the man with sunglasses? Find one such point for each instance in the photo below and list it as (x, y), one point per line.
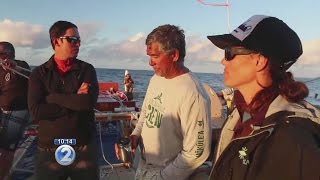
(14, 114)
(61, 98)
(272, 132)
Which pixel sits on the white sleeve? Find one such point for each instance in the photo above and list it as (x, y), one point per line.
(138, 129)
(194, 115)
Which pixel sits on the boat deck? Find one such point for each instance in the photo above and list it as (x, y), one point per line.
(111, 126)
(108, 124)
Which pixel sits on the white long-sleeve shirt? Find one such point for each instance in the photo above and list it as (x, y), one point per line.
(175, 125)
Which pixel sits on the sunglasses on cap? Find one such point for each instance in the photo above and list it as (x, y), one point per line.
(231, 52)
(71, 39)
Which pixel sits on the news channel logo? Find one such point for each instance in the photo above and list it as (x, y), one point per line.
(65, 155)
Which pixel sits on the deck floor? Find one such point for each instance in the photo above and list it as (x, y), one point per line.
(119, 173)
(23, 166)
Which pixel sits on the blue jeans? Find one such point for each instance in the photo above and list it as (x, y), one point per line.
(12, 127)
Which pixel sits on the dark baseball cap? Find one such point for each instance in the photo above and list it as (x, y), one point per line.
(267, 35)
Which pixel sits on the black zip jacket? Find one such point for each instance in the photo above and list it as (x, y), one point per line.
(54, 103)
(14, 88)
(282, 149)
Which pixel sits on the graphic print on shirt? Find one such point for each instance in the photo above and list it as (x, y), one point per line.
(155, 111)
(200, 141)
(244, 156)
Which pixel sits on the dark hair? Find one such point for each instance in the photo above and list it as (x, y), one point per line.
(284, 84)
(170, 37)
(292, 90)
(8, 46)
(58, 29)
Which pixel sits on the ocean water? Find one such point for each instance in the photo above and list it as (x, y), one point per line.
(141, 79)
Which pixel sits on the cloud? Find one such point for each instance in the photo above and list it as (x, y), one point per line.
(32, 41)
(89, 30)
(132, 48)
(137, 37)
(309, 62)
(22, 34)
(200, 49)
(36, 36)
(311, 54)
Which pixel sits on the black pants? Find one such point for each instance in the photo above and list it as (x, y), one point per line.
(83, 168)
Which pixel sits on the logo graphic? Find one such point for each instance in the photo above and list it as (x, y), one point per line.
(154, 112)
(200, 140)
(65, 155)
(245, 27)
(7, 77)
(159, 98)
(243, 155)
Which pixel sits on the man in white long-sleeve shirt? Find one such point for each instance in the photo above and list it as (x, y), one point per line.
(174, 125)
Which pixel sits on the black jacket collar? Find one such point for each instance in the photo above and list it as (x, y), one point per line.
(50, 64)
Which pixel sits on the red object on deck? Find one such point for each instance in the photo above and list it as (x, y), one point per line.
(110, 106)
(105, 86)
(107, 103)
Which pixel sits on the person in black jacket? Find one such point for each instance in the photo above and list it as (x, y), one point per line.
(61, 98)
(14, 112)
(271, 132)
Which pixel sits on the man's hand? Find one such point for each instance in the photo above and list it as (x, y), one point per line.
(8, 63)
(84, 88)
(134, 143)
(117, 150)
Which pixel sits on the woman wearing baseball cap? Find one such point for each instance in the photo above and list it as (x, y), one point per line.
(272, 132)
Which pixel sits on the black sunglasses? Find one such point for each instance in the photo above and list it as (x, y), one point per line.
(2, 54)
(71, 39)
(231, 52)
